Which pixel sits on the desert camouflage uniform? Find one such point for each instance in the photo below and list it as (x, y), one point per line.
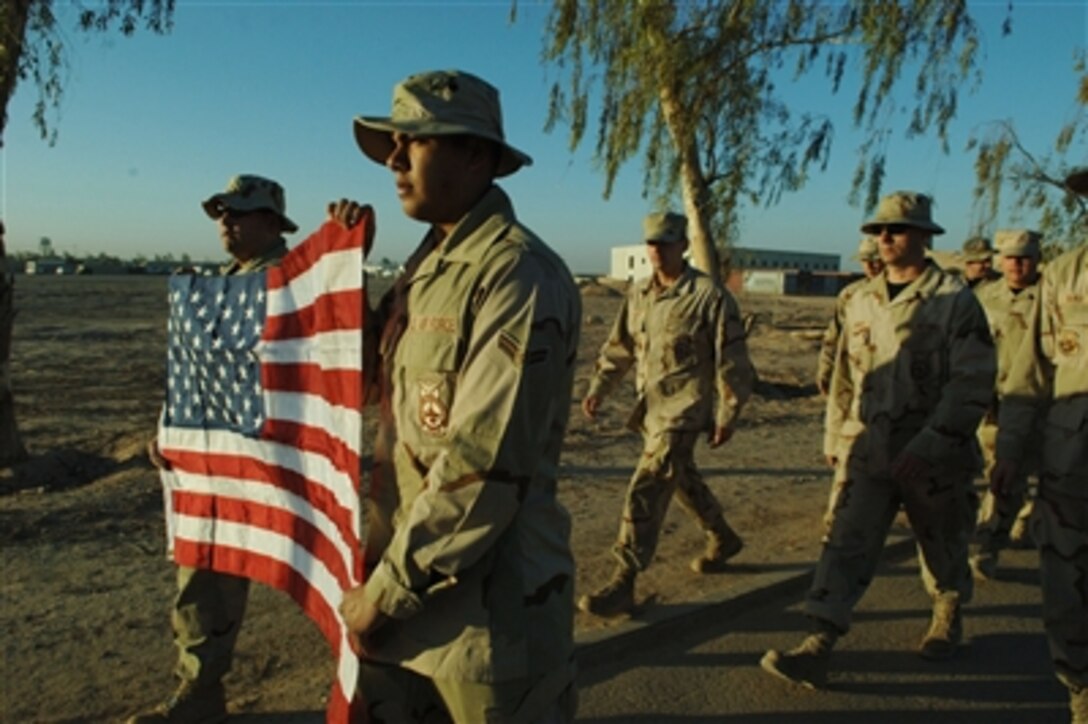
(1058, 343)
(913, 374)
(829, 344)
(478, 576)
(692, 372)
(209, 606)
(1009, 314)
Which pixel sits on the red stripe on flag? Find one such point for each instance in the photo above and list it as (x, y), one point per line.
(331, 236)
(336, 386)
(267, 570)
(330, 312)
(277, 520)
(260, 472)
(315, 440)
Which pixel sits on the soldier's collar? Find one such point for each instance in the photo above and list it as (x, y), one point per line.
(479, 228)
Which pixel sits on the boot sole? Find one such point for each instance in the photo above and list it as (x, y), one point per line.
(701, 566)
(585, 606)
(938, 655)
(769, 664)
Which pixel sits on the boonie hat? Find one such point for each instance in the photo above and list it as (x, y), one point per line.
(247, 192)
(868, 249)
(977, 248)
(665, 228)
(903, 207)
(1077, 180)
(1019, 242)
(440, 103)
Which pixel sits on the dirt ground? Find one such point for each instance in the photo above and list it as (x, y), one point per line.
(85, 587)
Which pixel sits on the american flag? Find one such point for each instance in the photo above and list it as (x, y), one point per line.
(262, 428)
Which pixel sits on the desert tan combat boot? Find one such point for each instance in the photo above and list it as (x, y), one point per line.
(1020, 534)
(984, 565)
(190, 704)
(1078, 705)
(722, 543)
(945, 630)
(615, 598)
(805, 664)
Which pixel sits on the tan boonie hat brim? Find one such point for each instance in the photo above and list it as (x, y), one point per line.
(1019, 242)
(977, 248)
(213, 206)
(250, 193)
(873, 226)
(440, 103)
(906, 208)
(375, 138)
(664, 228)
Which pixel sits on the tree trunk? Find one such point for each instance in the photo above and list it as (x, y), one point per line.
(11, 444)
(692, 186)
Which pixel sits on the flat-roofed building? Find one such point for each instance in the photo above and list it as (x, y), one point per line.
(630, 262)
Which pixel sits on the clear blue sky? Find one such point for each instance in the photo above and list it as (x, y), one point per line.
(151, 125)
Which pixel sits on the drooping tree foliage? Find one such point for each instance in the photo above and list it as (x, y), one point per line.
(32, 45)
(693, 87)
(1010, 176)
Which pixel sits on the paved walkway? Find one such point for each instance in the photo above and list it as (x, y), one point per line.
(704, 667)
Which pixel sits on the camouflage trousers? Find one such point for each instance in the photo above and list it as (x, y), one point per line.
(395, 695)
(207, 617)
(940, 511)
(998, 514)
(1059, 525)
(667, 466)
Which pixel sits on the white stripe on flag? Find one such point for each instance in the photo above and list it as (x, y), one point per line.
(330, 350)
(312, 466)
(265, 494)
(308, 409)
(336, 271)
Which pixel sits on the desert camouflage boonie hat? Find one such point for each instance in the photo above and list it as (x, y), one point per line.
(868, 250)
(247, 192)
(977, 248)
(1019, 242)
(903, 207)
(1077, 181)
(440, 103)
(664, 228)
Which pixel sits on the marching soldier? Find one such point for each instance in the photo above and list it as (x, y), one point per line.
(683, 334)
(251, 217)
(1009, 304)
(912, 379)
(978, 261)
(1050, 377)
(468, 611)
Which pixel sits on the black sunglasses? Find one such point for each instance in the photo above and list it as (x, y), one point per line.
(228, 213)
(892, 229)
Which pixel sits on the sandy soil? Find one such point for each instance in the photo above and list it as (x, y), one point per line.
(86, 587)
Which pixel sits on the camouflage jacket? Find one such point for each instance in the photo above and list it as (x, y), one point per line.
(825, 365)
(688, 343)
(1051, 367)
(1009, 315)
(478, 576)
(915, 373)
